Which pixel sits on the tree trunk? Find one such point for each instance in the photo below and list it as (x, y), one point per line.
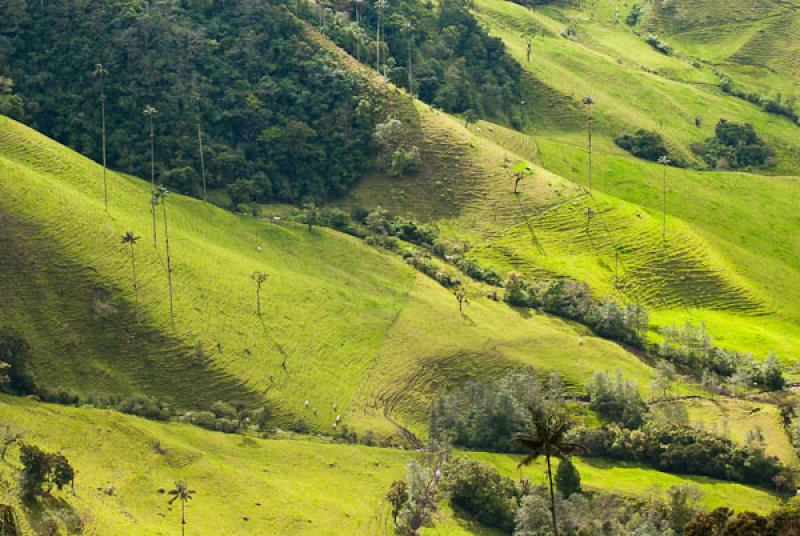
(135, 284)
(552, 497)
(202, 158)
(105, 169)
(169, 265)
(183, 518)
(258, 299)
(591, 121)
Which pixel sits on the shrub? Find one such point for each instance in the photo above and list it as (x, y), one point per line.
(568, 480)
(677, 448)
(635, 14)
(405, 161)
(658, 44)
(41, 471)
(644, 144)
(14, 351)
(618, 401)
(486, 414)
(222, 409)
(735, 146)
(480, 491)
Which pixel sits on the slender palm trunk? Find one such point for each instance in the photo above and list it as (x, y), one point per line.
(135, 283)
(153, 177)
(169, 265)
(105, 169)
(378, 45)
(258, 299)
(202, 157)
(183, 518)
(410, 71)
(552, 497)
(664, 205)
(591, 121)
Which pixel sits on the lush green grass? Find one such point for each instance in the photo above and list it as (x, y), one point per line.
(634, 480)
(734, 418)
(353, 326)
(283, 486)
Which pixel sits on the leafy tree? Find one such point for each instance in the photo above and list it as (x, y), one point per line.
(482, 492)
(274, 107)
(14, 352)
(568, 480)
(460, 294)
(643, 144)
(618, 401)
(130, 239)
(549, 428)
(41, 471)
(11, 104)
(182, 493)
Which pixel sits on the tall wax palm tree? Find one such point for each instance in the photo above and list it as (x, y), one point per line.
(101, 72)
(549, 427)
(358, 5)
(664, 161)
(260, 278)
(589, 101)
(161, 198)
(409, 31)
(131, 239)
(380, 5)
(182, 493)
(149, 112)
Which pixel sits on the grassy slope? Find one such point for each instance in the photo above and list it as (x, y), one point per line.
(303, 486)
(400, 327)
(716, 239)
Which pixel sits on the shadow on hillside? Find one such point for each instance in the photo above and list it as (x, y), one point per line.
(50, 514)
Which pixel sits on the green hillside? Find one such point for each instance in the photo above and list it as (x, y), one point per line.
(321, 284)
(282, 486)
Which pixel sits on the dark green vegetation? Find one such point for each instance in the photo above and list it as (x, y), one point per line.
(278, 119)
(644, 144)
(442, 55)
(734, 146)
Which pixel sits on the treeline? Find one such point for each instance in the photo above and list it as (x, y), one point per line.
(692, 347)
(440, 52)
(279, 118)
(487, 414)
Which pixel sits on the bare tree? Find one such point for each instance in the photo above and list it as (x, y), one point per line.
(101, 72)
(260, 278)
(131, 239)
(589, 101)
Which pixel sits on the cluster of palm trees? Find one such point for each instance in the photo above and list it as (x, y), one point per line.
(159, 193)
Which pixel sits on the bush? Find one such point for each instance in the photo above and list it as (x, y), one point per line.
(644, 144)
(618, 402)
(405, 162)
(41, 471)
(14, 351)
(486, 414)
(676, 448)
(568, 480)
(658, 44)
(479, 490)
(735, 146)
(635, 14)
